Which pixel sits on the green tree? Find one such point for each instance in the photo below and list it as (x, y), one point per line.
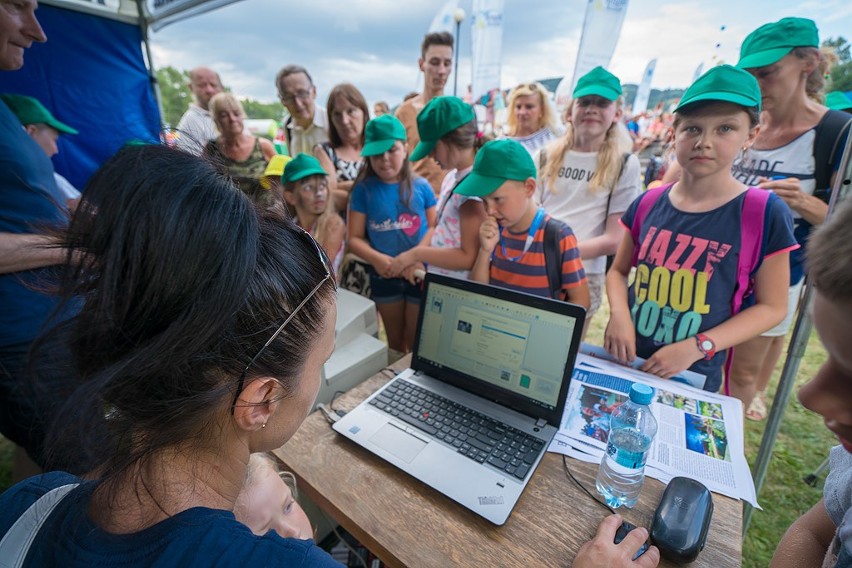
(257, 109)
(174, 93)
(840, 76)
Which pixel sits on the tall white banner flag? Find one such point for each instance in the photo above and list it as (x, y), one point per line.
(643, 93)
(487, 46)
(443, 21)
(601, 28)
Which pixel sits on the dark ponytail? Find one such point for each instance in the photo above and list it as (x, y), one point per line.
(182, 281)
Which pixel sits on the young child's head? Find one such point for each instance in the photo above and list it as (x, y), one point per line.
(387, 152)
(503, 176)
(716, 119)
(447, 128)
(306, 186)
(592, 125)
(829, 260)
(597, 104)
(267, 503)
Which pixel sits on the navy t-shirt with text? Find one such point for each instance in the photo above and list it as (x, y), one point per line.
(686, 271)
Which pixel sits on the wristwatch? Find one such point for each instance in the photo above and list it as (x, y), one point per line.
(706, 346)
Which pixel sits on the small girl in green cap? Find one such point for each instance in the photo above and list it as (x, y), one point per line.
(390, 211)
(688, 243)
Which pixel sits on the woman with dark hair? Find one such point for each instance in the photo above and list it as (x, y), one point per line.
(194, 346)
(348, 114)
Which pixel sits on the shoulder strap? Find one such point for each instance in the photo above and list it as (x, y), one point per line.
(751, 242)
(646, 203)
(618, 179)
(829, 134)
(553, 257)
(17, 541)
(287, 138)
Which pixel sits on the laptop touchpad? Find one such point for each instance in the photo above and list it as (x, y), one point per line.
(398, 442)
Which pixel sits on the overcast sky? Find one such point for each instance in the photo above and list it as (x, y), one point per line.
(375, 43)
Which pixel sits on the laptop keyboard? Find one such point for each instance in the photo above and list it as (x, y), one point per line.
(471, 433)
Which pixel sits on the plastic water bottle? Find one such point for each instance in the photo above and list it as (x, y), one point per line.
(632, 428)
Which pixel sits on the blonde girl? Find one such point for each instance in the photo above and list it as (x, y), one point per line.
(588, 178)
(390, 211)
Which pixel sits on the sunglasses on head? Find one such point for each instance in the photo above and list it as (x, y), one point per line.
(329, 275)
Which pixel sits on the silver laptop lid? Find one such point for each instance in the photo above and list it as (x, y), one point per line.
(510, 347)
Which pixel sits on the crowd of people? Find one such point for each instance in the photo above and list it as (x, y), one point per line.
(150, 358)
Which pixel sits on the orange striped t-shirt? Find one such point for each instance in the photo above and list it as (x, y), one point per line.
(529, 272)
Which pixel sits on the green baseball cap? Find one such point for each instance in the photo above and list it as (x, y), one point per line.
(440, 117)
(837, 100)
(380, 134)
(770, 42)
(300, 167)
(496, 162)
(723, 83)
(30, 111)
(598, 82)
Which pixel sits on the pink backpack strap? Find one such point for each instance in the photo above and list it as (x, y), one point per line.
(751, 243)
(646, 203)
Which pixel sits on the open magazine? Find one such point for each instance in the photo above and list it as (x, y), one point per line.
(700, 434)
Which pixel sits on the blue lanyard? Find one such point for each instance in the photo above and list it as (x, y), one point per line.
(536, 223)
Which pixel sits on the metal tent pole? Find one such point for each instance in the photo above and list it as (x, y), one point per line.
(149, 62)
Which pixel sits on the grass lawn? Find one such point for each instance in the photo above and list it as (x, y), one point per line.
(802, 445)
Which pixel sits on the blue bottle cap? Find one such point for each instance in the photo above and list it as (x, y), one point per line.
(641, 394)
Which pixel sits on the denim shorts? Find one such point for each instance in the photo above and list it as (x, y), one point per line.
(390, 290)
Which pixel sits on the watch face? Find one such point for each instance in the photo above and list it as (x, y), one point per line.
(707, 345)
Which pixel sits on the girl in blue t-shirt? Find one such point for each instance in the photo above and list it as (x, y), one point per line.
(679, 311)
(389, 213)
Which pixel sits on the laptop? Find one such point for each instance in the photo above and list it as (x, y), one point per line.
(477, 409)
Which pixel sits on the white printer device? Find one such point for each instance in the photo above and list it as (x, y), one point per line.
(358, 352)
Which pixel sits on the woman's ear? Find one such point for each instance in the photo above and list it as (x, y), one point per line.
(255, 403)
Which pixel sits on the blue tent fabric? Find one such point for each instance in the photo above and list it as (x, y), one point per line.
(91, 75)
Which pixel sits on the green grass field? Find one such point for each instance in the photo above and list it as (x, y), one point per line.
(802, 445)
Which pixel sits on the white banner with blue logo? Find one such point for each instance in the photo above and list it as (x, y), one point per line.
(601, 29)
(487, 46)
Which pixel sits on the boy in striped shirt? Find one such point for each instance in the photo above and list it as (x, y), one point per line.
(511, 240)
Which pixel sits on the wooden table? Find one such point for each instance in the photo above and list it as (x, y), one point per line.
(407, 523)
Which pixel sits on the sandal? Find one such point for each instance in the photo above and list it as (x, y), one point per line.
(757, 409)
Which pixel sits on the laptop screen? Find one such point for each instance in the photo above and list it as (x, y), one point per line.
(513, 342)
